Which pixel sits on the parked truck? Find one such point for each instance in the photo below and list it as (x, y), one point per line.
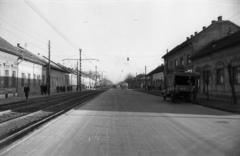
(179, 85)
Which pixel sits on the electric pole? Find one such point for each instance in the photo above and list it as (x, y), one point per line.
(77, 77)
(145, 78)
(80, 63)
(48, 75)
(95, 76)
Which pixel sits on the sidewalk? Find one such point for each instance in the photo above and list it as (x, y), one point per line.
(220, 103)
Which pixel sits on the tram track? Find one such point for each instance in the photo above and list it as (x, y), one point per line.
(18, 110)
(20, 125)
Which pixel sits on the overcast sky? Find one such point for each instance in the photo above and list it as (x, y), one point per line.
(110, 30)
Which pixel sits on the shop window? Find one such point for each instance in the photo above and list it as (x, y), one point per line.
(220, 76)
(236, 75)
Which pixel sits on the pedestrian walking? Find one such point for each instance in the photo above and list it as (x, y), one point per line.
(26, 90)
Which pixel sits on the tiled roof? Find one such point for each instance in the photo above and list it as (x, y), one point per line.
(226, 42)
(54, 65)
(185, 43)
(156, 70)
(7, 47)
(177, 48)
(29, 56)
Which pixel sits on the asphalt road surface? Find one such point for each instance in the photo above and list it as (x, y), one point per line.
(130, 123)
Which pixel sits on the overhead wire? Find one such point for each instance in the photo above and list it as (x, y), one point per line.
(49, 22)
(41, 48)
(35, 9)
(24, 27)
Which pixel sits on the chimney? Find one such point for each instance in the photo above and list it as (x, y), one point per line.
(191, 36)
(187, 38)
(203, 27)
(219, 18)
(18, 45)
(213, 21)
(195, 33)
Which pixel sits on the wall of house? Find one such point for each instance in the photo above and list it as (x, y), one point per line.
(214, 62)
(29, 73)
(58, 78)
(158, 79)
(215, 31)
(8, 65)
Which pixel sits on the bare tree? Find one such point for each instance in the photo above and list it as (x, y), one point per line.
(229, 66)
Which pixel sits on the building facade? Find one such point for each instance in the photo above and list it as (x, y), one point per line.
(29, 71)
(8, 69)
(178, 59)
(212, 62)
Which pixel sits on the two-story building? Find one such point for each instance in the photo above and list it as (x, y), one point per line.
(29, 71)
(8, 69)
(213, 62)
(157, 78)
(178, 59)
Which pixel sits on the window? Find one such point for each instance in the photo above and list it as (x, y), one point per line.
(43, 79)
(220, 76)
(181, 61)
(34, 79)
(176, 63)
(13, 78)
(29, 78)
(38, 79)
(22, 79)
(236, 75)
(188, 59)
(6, 79)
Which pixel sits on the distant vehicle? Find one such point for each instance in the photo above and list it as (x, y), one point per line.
(124, 86)
(114, 86)
(179, 84)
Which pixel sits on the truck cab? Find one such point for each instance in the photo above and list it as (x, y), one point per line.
(179, 85)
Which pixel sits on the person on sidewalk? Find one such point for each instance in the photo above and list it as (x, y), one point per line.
(26, 90)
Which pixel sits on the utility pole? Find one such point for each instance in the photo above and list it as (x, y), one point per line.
(77, 77)
(48, 75)
(136, 81)
(80, 63)
(95, 76)
(145, 78)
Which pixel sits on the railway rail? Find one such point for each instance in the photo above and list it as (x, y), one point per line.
(20, 124)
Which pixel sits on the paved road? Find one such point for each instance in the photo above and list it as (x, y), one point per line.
(129, 123)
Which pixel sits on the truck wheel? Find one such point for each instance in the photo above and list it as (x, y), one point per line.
(189, 98)
(164, 98)
(172, 97)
